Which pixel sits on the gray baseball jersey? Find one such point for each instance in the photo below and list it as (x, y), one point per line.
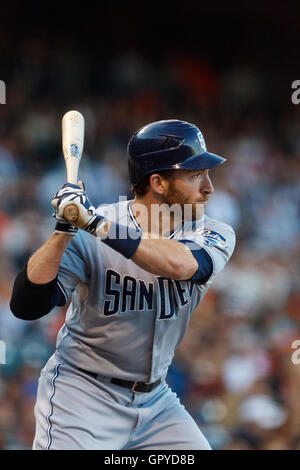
(123, 321)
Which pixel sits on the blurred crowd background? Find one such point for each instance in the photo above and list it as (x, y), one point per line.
(234, 370)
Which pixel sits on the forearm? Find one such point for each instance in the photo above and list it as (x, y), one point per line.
(162, 257)
(179, 260)
(166, 258)
(44, 263)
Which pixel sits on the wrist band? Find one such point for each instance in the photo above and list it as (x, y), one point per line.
(121, 238)
(65, 228)
(94, 224)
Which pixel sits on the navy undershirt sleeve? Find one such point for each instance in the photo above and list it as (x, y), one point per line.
(205, 264)
(31, 301)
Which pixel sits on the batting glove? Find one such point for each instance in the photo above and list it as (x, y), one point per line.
(76, 196)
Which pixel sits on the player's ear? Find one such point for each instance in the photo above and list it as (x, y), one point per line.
(158, 183)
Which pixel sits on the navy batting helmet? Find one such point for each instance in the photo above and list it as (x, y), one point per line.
(168, 145)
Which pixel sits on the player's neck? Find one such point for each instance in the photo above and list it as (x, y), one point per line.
(154, 216)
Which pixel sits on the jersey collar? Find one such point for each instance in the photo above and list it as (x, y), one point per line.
(172, 234)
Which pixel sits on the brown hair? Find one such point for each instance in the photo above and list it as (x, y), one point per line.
(143, 186)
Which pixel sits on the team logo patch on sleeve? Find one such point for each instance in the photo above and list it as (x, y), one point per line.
(212, 238)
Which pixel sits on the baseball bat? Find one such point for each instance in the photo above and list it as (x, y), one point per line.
(72, 144)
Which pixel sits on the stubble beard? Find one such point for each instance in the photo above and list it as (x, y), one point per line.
(190, 211)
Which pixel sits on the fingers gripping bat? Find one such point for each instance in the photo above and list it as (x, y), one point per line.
(72, 144)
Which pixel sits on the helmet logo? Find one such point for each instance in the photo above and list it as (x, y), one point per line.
(172, 141)
(201, 140)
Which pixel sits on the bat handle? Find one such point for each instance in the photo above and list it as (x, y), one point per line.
(71, 212)
(72, 164)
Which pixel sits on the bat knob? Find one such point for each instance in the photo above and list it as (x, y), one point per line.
(71, 213)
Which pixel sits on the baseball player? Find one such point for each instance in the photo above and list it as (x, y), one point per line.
(135, 276)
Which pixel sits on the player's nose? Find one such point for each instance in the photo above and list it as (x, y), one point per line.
(206, 185)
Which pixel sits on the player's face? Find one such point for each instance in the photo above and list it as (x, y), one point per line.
(192, 187)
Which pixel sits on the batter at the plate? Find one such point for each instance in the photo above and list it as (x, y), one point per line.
(136, 271)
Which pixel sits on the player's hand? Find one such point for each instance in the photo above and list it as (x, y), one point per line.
(76, 196)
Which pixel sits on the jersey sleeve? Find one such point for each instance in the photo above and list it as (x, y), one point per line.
(219, 245)
(217, 242)
(74, 267)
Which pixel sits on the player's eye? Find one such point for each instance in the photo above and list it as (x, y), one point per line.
(196, 176)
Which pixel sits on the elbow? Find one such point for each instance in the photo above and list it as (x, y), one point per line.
(22, 314)
(31, 301)
(15, 310)
(183, 270)
(28, 316)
